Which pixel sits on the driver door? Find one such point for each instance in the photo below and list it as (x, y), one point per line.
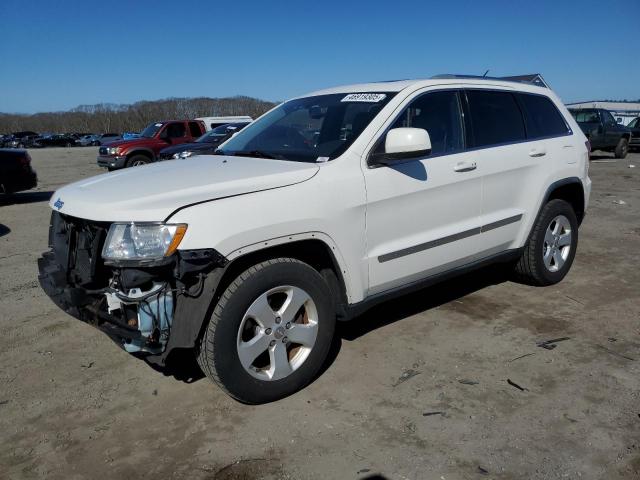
(423, 215)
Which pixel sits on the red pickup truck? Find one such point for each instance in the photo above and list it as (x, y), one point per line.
(157, 135)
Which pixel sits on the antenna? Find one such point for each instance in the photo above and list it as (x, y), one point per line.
(485, 73)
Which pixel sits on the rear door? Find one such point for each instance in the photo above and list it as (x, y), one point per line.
(423, 215)
(505, 162)
(195, 130)
(521, 141)
(612, 131)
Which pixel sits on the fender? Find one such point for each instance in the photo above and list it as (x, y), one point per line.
(192, 312)
(557, 184)
(136, 150)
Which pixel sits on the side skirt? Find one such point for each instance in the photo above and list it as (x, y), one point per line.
(359, 308)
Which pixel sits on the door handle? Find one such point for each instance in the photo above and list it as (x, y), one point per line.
(465, 166)
(537, 152)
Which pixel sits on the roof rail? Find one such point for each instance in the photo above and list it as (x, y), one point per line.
(532, 79)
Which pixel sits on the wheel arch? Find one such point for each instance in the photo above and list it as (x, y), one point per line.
(313, 248)
(192, 312)
(570, 190)
(147, 152)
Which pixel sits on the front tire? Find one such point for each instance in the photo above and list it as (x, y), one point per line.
(622, 148)
(270, 331)
(551, 248)
(137, 161)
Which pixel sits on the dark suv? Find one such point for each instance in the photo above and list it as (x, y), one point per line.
(602, 131)
(158, 135)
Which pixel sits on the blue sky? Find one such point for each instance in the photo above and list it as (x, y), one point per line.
(55, 55)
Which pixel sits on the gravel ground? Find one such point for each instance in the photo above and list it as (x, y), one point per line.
(417, 388)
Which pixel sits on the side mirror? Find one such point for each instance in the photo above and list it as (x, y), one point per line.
(404, 144)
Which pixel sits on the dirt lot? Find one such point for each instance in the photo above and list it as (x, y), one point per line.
(73, 405)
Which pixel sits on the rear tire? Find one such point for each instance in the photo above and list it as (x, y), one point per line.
(137, 160)
(551, 248)
(291, 342)
(622, 149)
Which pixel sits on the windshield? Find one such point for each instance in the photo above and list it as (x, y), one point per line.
(309, 129)
(634, 123)
(151, 130)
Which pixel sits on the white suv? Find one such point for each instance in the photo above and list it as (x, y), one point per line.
(322, 207)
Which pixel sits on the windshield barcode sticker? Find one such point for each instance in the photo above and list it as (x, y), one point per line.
(364, 97)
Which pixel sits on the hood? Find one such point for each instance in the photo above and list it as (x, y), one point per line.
(153, 192)
(193, 147)
(134, 142)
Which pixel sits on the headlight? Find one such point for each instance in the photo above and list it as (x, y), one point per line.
(176, 155)
(142, 241)
(185, 154)
(112, 150)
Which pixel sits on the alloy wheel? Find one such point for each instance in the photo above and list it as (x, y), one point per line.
(557, 243)
(277, 333)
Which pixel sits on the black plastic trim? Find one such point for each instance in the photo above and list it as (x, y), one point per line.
(448, 239)
(358, 308)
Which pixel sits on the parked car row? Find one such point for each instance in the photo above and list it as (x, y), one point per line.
(168, 140)
(29, 139)
(96, 140)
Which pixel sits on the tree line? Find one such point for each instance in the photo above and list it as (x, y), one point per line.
(108, 117)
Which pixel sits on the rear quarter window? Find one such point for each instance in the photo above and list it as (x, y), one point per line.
(541, 116)
(588, 116)
(495, 118)
(194, 129)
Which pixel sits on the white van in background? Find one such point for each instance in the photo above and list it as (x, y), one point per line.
(213, 122)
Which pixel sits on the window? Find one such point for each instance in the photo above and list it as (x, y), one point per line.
(176, 130)
(541, 117)
(495, 118)
(586, 116)
(607, 117)
(194, 129)
(439, 114)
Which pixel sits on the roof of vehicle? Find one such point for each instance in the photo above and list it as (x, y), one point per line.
(230, 118)
(447, 79)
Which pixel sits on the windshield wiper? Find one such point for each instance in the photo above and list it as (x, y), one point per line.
(254, 153)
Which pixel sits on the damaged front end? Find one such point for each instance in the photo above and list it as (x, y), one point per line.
(145, 307)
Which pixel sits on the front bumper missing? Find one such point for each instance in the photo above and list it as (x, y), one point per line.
(170, 317)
